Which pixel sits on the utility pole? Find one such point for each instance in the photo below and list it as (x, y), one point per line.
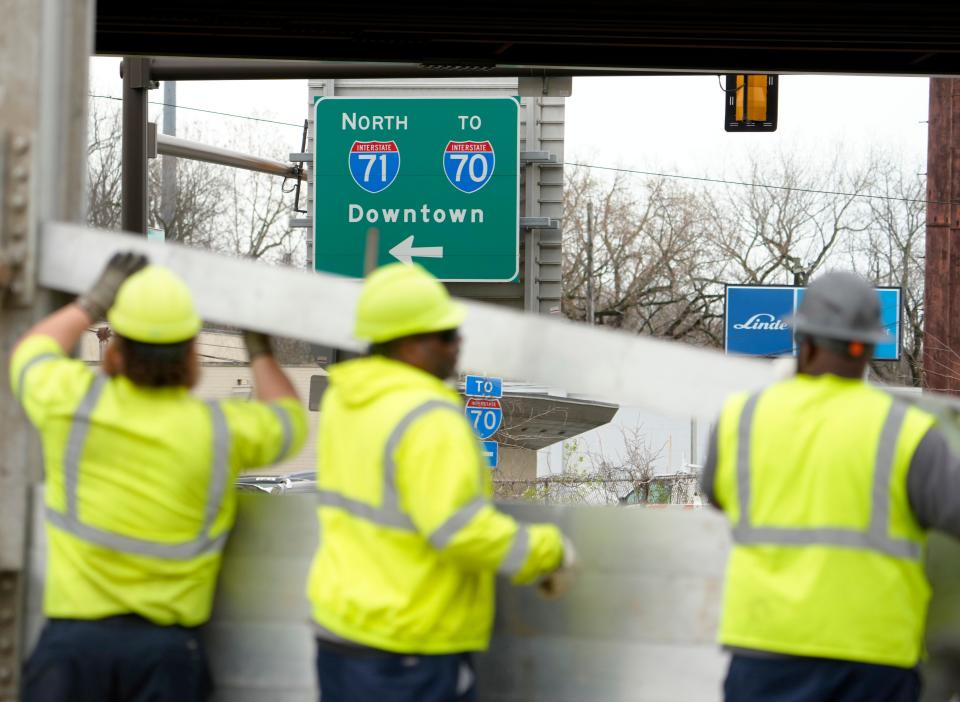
(168, 166)
(591, 311)
(941, 330)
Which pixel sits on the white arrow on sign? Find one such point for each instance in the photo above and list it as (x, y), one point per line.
(405, 251)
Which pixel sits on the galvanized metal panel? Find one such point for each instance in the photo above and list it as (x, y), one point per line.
(596, 362)
(637, 626)
(640, 616)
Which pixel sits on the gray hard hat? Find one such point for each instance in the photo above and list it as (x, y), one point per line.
(841, 306)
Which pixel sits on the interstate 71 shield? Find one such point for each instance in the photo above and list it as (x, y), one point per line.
(374, 165)
(468, 164)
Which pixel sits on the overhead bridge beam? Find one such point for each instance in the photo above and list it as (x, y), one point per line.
(171, 68)
(184, 148)
(667, 377)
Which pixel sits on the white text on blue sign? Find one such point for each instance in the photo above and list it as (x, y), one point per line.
(480, 386)
(491, 451)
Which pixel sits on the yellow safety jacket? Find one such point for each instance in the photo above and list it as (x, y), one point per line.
(409, 539)
(139, 484)
(827, 556)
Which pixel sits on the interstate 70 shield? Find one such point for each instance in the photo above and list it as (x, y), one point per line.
(468, 164)
(374, 165)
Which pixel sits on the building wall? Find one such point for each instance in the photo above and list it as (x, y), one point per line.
(516, 464)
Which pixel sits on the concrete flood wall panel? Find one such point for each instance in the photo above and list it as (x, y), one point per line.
(639, 625)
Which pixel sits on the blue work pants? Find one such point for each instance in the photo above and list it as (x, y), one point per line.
(796, 679)
(367, 675)
(118, 659)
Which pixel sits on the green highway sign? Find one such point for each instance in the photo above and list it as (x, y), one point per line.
(438, 177)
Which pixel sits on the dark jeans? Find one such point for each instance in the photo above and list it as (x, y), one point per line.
(795, 679)
(118, 659)
(366, 675)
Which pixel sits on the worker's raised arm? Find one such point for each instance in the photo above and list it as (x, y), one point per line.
(274, 428)
(66, 325)
(445, 487)
(269, 381)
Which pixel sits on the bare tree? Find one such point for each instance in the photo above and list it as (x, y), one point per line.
(647, 257)
(224, 209)
(258, 208)
(596, 477)
(891, 252)
(200, 202)
(786, 232)
(663, 251)
(103, 166)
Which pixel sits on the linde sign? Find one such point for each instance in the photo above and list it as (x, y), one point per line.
(762, 320)
(754, 320)
(439, 178)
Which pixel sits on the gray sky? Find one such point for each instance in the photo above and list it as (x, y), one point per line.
(671, 124)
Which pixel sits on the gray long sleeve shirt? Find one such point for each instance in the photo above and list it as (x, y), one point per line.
(933, 482)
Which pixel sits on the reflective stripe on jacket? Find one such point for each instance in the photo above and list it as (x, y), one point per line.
(139, 484)
(409, 539)
(827, 557)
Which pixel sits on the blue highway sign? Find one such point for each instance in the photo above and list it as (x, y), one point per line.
(374, 165)
(480, 386)
(485, 415)
(491, 451)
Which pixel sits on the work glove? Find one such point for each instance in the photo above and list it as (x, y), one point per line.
(556, 584)
(257, 344)
(98, 299)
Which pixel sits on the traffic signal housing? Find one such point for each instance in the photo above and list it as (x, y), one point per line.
(751, 103)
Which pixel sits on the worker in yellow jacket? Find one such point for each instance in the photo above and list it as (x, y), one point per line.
(139, 487)
(402, 584)
(830, 486)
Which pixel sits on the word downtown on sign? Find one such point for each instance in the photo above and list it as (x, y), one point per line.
(424, 213)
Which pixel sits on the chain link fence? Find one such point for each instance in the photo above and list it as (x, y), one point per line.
(675, 489)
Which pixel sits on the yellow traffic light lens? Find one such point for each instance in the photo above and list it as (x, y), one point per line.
(756, 98)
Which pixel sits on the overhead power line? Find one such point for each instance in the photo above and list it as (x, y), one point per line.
(675, 176)
(210, 112)
(722, 181)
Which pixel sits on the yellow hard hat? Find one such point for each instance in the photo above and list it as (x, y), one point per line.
(402, 299)
(154, 306)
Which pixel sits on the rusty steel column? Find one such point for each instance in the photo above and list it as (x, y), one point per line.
(941, 345)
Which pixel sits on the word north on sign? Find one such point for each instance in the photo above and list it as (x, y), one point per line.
(439, 178)
(374, 165)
